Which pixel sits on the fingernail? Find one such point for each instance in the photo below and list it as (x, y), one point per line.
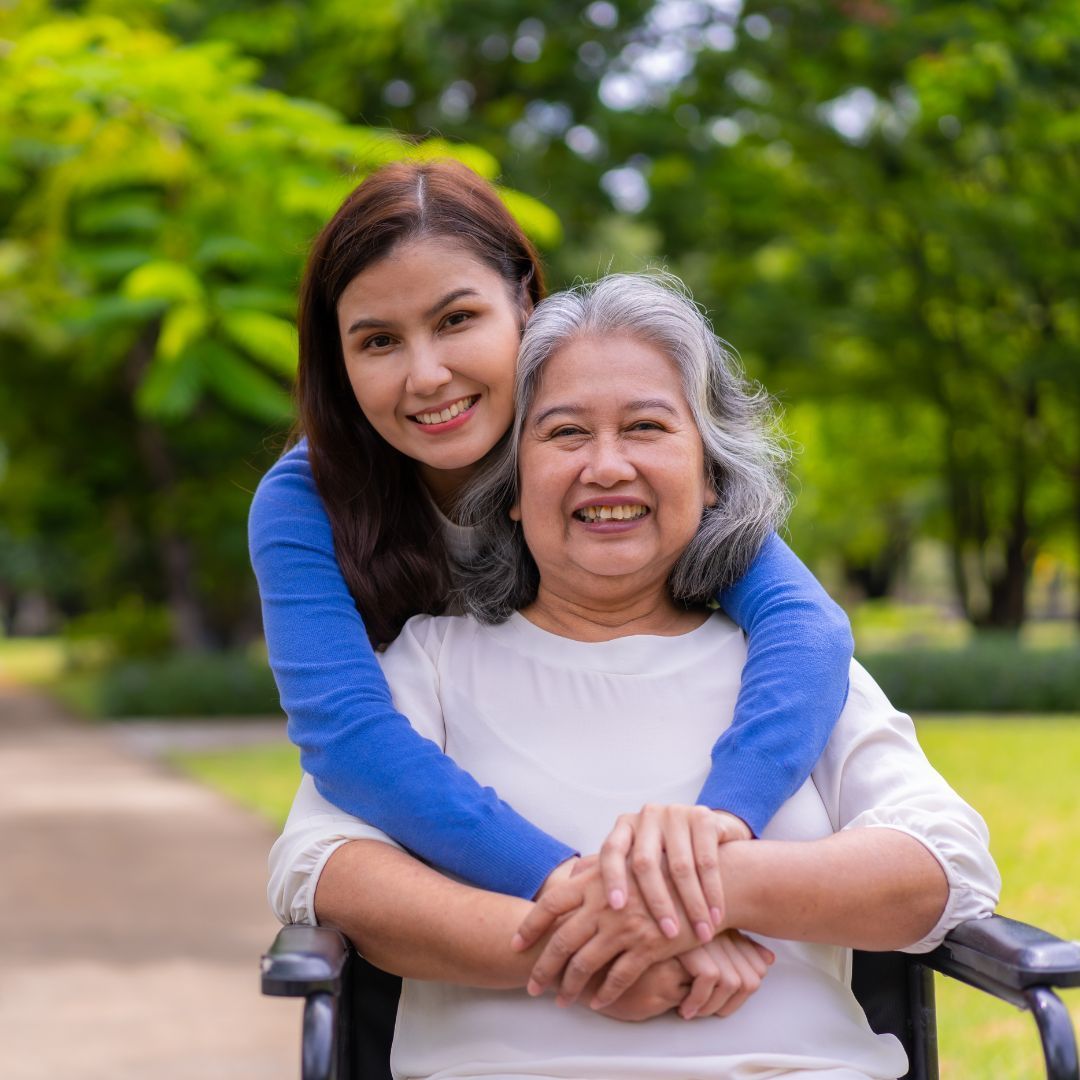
(704, 932)
(561, 1001)
(616, 899)
(533, 988)
(517, 943)
(714, 914)
(689, 1014)
(596, 1003)
(669, 927)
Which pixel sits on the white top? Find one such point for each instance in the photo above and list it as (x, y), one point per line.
(573, 734)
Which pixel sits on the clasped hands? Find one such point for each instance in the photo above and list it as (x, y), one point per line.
(639, 928)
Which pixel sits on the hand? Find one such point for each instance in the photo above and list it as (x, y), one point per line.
(726, 972)
(687, 836)
(590, 936)
(662, 988)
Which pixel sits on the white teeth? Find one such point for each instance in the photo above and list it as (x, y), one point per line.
(456, 409)
(611, 513)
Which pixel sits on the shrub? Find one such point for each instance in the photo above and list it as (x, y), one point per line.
(988, 675)
(216, 684)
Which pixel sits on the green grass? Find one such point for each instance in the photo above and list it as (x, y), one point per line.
(1021, 774)
(261, 778)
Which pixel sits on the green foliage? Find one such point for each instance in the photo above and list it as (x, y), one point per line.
(219, 684)
(156, 203)
(131, 630)
(987, 675)
(874, 203)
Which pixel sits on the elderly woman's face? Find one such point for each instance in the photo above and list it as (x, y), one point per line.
(611, 464)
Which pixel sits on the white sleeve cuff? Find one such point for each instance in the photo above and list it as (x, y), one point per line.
(297, 860)
(973, 880)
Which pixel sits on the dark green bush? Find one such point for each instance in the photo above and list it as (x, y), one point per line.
(217, 684)
(991, 675)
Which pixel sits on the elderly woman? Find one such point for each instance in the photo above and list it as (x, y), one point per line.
(639, 477)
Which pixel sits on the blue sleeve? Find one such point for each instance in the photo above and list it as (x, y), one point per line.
(365, 757)
(794, 686)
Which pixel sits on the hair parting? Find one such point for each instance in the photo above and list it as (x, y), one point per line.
(385, 527)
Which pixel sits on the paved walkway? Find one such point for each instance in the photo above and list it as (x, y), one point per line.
(133, 915)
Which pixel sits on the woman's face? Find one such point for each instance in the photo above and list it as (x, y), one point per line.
(612, 467)
(430, 336)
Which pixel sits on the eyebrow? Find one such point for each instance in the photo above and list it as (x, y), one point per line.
(449, 298)
(640, 405)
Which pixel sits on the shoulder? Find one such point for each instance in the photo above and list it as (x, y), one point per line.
(286, 500)
(430, 635)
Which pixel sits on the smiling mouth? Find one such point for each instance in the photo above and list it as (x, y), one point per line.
(455, 408)
(592, 514)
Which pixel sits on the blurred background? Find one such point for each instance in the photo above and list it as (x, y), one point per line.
(876, 201)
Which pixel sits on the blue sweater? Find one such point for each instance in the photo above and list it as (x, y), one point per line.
(367, 759)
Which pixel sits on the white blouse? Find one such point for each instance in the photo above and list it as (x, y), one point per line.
(572, 734)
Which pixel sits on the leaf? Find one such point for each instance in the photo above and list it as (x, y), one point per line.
(162, 280)
(266, 338)
(242, 386)
(170, 391)
(540, 222)
(181, 327)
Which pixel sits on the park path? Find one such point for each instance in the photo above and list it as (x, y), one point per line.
(132, 915)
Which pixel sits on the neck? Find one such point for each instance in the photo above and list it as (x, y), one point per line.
(603, 618)
(445, 485)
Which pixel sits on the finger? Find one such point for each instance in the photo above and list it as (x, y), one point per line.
(756, 956)
(646, 861)
(623, 974)
(682, 867)
(701, 965)
(613, 854)
(593, 956)
(552, 905)
(727, 983)
(704, 838)
(749, 981)
(730, 827)
(564, 943)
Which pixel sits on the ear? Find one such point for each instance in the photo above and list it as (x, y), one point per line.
(711, 498)
(515, 512)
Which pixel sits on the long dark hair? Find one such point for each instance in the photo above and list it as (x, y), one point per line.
(386, 533)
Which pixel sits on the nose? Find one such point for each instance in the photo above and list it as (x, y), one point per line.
(607, 463)
(427, 371)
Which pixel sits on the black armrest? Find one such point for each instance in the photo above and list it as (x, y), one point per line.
(304, 960)
(1007, 954)
(1020, 964)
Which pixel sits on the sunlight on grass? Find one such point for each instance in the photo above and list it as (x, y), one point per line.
(32, 661)
(1021, 774)
(262, 778)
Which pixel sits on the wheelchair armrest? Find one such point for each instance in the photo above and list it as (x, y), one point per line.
(304, 960)
(999, 953)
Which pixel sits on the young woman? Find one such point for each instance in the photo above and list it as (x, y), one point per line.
(412, 306)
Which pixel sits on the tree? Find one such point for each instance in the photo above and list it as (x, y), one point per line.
(157, 203)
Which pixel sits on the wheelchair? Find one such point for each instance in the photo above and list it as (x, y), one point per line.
(350, 1006)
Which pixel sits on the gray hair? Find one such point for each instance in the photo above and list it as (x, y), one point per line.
(745, 458)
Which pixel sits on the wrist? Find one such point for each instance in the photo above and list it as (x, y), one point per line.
(563, 872)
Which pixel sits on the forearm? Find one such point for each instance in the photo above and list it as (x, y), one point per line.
(876, 889)
(409, 919)
(341, 710)
(794, 685)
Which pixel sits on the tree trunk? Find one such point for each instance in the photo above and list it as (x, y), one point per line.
(190, 625)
